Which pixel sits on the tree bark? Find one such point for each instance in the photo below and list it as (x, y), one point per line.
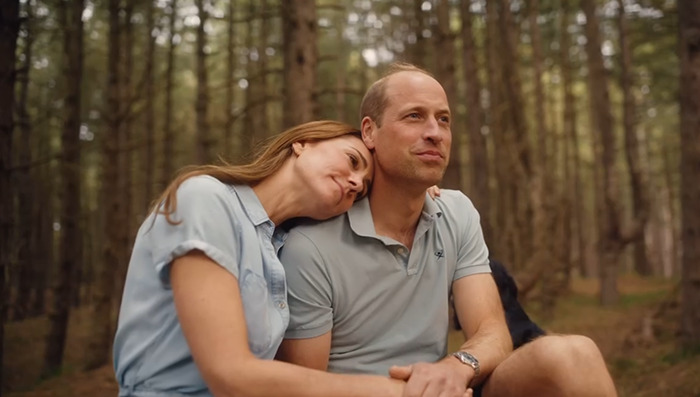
(168, 169)
(445, 73)
(9, 29)
(520, 173)
(541, 193)
(479, 167)
(97, 353)
(300, 60)
(70, 237)
(638, 179)
(571, 135)
(503, 247)
(230, 80)
(689, 28)
(205, 141)
(610, 229)
(149, 153)
(23, 180)
(250, 133)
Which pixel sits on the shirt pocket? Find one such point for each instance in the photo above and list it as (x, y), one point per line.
(256, 304)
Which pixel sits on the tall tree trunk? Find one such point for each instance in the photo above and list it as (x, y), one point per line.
(149, 154)
(445, 73)
(610, 233)
(126, 147)
(9, 29)
(168, 169)
(689, 24)
(23, 180)
(205, 142)
(416, 48)
(300, 60)
(101, 333)
(541, 194)
(230, 81)
(250, 132)
(503, 247)
(69, 257)
(637, 172)
(263, 127)
(521, 169)
(479, 189)
(571, 135)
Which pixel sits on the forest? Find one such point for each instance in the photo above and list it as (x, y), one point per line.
(576, 134)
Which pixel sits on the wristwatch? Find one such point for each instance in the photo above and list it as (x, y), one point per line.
(468, 359)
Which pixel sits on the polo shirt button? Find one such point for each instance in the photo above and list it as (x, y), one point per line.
(401, 251)
(281, 304)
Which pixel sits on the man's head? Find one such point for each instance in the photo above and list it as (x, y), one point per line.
(374, 102)
(406, 122)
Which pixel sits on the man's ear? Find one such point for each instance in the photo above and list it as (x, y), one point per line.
(368, 127)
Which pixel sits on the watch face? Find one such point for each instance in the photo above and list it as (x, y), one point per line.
(469, 360)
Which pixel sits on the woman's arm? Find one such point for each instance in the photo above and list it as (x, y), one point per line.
(210, 311)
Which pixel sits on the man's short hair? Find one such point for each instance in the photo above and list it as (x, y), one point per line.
(374, 102)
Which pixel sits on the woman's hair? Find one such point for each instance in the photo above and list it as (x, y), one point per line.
(269, 158)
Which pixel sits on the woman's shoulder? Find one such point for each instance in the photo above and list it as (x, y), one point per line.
(206, 183)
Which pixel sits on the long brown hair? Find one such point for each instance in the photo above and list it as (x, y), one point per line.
(267, 161)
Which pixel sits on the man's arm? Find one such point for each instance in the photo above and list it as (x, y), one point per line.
(480, 312)
(479, 308)
(311, 352)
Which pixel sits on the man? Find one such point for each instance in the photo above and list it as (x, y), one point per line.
(377, 302)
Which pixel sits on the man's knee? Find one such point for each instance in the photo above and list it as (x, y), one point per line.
(563, 353)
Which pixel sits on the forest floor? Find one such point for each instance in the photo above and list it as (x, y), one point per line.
(637, 337)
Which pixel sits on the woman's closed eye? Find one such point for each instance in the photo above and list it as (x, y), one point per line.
(354, 161)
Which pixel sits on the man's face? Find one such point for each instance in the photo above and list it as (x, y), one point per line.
(412, 140)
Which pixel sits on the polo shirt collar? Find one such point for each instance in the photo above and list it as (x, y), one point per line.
(362, 224)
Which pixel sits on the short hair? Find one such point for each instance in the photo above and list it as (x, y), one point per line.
(374, 102)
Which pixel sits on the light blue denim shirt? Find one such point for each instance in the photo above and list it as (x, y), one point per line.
(228, 224)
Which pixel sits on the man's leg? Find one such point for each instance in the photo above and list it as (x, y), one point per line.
(555, 365)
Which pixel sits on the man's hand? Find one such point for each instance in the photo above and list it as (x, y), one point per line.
(441, 379)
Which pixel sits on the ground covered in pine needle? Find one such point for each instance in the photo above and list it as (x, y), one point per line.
(637, 338)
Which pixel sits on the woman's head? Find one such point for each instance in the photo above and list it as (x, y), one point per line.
(333, 172)
(270, 158)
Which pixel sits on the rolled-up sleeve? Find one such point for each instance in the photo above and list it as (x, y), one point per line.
(206, 223)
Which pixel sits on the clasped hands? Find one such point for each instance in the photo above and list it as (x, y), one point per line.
(440, 379)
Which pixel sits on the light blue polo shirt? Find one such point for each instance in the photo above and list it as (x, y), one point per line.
(383, 303)
(228, 224)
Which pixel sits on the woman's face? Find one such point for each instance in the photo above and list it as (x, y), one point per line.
(337, 171)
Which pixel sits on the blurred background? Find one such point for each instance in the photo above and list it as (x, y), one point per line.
(575, 132)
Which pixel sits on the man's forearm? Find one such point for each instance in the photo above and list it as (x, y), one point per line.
(491, 344)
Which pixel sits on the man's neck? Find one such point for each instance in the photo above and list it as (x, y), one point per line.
(396, 211)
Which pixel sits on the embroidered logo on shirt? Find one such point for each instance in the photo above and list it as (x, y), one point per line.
(440, 254)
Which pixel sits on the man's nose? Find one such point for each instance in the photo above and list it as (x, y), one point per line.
(432, 130)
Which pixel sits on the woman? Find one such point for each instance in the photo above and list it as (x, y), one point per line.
(204, 306)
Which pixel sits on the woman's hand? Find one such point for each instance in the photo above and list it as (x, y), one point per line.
(434, 191)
